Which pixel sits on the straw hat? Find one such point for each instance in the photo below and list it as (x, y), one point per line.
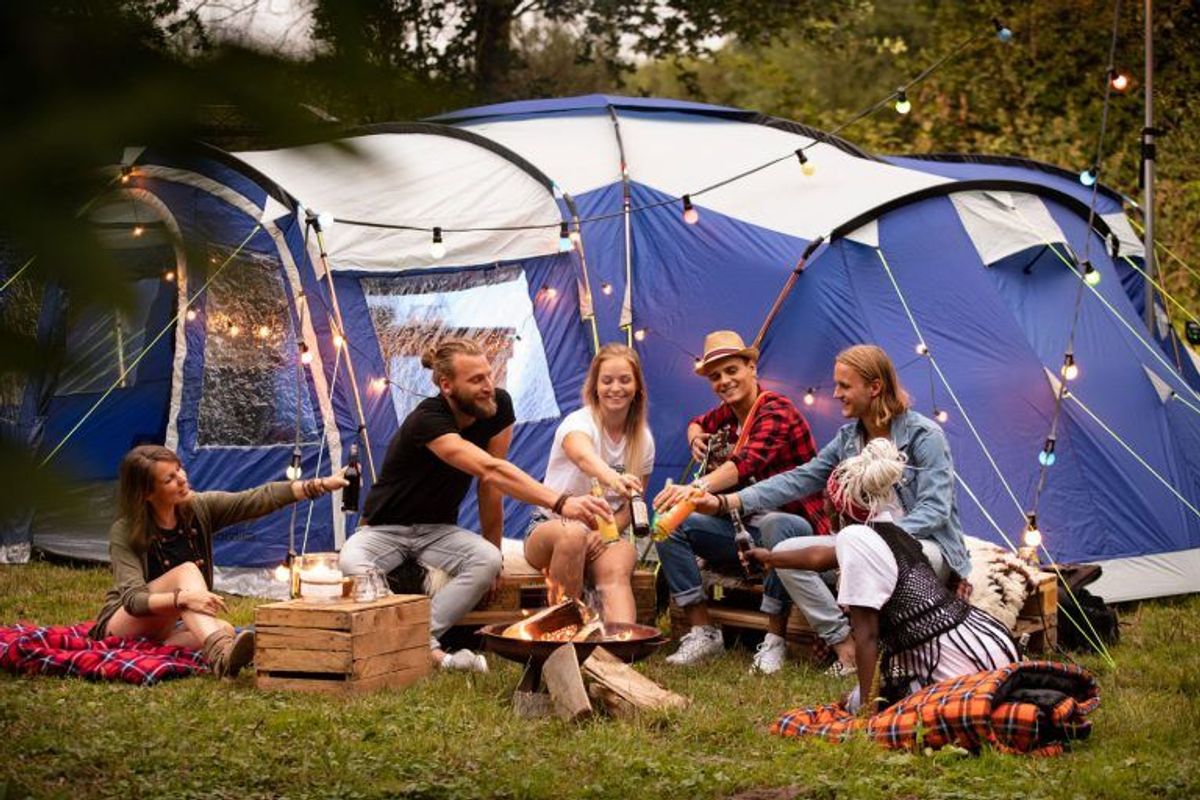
(723, 344)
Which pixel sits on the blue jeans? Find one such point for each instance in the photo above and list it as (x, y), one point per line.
(711, 538)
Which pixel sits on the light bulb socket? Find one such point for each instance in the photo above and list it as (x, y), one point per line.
(801, 156)
(437, 235)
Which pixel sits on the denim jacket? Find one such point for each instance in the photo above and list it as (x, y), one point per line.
(926, 491)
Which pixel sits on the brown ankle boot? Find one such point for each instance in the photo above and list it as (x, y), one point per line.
(227, 654)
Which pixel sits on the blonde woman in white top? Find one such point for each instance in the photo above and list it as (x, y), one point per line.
(606, 440)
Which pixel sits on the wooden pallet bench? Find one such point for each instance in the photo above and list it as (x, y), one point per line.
(526, 591)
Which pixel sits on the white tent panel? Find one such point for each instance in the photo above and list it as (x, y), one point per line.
(1131, 243)
(1137, 577)
(867, 234)
(1003, 223)
(418, 180)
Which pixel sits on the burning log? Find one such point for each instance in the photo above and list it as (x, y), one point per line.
(545, 624)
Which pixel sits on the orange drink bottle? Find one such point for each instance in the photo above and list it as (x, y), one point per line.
(666, 522)
(607, 528)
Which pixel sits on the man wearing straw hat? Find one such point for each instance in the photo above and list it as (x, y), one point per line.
(771, 436)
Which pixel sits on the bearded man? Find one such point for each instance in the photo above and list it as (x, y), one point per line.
(461, 433)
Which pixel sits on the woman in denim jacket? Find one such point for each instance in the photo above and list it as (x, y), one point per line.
(866, 384)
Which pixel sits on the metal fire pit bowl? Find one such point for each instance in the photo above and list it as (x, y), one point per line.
(643, 642)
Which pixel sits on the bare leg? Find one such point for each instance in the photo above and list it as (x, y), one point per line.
(161, 626)
(559, 549)
(612, 573)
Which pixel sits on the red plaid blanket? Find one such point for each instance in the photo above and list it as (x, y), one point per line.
(66, 650)
(1033, 707)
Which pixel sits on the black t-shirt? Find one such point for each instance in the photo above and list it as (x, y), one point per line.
(414, 485)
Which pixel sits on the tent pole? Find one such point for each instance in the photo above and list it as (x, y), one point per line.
(337, 314)
(1148, 169)
(626, 321)
(786, 290)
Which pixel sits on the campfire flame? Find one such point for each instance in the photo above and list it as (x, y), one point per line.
(567, 621)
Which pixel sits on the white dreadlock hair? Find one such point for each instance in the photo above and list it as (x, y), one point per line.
(866, 480)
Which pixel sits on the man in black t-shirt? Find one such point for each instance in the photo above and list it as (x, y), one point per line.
(412, 509)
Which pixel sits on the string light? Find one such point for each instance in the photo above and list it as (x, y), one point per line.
(640, 334)
(922, 349)
(138, 230)
(941, 415)
(338, 341)
(1118, 80)
(1091, 275)
(169, 276)
(234, 330)
(294, 470)
(690, 215)
(1088, 176)
(263, 331)
(1047, 458)
(379, 384)
(565, 245)
(305, 354)
(697, 363)
(1003, 32)
(549, 292)
(126, 173)
(806, 166)
(191, 315)
(1070, 370)
(903, 104)
(283, 573)
(606, 288)
(437, 248)
(1032, 536)
(810, 396)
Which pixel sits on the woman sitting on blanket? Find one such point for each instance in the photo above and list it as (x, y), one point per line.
(901, 615)
(608, 441)
(161, 550)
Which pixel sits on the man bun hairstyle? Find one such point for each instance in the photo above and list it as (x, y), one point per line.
(439, 357)
(862, 484)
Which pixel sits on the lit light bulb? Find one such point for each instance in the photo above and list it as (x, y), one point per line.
(1032, 536)
(437, 248)
(1003, 32)
(1118, 80)
(565, 245)
(191, 315)
(690, 215)
(550, 292)
(294, 469)
(1070, 370)
(169, 276)
(234, 330)
(1091, 275)
(379, 384)
(1047, 457)
(810, 396)
(806, 166)
(941, 415)
(338, 341)
(640, 334)
(606, 288)
(305, 354)
(1088, 176)
(283, 573)
(263, 331)
(138, 230)
(126, 174)
(699, 362)
(903, 105)
(922, 349)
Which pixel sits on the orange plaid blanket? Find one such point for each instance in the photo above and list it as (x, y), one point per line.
(1033, 707)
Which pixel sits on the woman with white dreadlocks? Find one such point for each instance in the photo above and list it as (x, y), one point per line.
(901, 616)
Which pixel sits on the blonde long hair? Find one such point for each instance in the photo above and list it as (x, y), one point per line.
(863, 484)
(136, 484)
(871, 364)
(635, 428)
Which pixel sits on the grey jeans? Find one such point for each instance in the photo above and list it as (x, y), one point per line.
(813, 595)
(472, 562)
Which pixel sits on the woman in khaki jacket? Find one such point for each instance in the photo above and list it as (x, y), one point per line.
(161, 550)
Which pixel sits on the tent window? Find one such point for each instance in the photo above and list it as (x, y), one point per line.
(254, 393)
(490, 306)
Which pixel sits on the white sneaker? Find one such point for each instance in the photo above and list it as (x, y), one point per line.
(699, 644)
(768, 658)
(465, 660)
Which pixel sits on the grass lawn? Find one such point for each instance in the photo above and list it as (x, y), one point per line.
(453, 735)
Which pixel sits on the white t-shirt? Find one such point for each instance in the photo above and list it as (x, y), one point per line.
(563, 476)
(868, 578)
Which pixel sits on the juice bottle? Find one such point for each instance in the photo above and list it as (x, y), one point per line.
(607, 528)
(666, 522)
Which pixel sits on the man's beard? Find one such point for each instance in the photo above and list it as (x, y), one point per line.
(467, 404)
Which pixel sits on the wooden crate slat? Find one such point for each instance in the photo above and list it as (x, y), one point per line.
(340, 615)
(302, 639)
(303, 661)
(390, 680)
(395, 661)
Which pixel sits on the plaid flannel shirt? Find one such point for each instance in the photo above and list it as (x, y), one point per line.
(779, 440)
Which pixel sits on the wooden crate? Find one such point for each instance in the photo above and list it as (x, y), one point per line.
(527, 591)
(342, 647)
(1039, 616)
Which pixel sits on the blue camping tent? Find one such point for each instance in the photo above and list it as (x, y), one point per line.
(319, 253)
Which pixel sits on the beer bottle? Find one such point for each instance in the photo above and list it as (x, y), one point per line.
(639, 515)
(354, 476)
(744, 542)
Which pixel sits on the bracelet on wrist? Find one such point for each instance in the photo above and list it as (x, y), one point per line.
(559, 503)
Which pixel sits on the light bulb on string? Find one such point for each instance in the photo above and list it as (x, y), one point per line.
(1032, 537)
(690, 215)
(338, 341)
(565, 245)
(1119, 81)
(191, 315)
(305, 354)
(379, 384)
(549, 292)
(1003, 32)
(169, 276)
(941, 415)
(903, 104)
(606, 288)
(437, 247)
(126, 173)
(1091, 275)
(137, 230)
(294, 469)
(1070, 370)
(922, 349)
(234, 329)
(1046, 457)
(263, 331)
(810, 396)
(283, 573)
(806, 166)
(697, 363)
(640, 334)
(1088, 176)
